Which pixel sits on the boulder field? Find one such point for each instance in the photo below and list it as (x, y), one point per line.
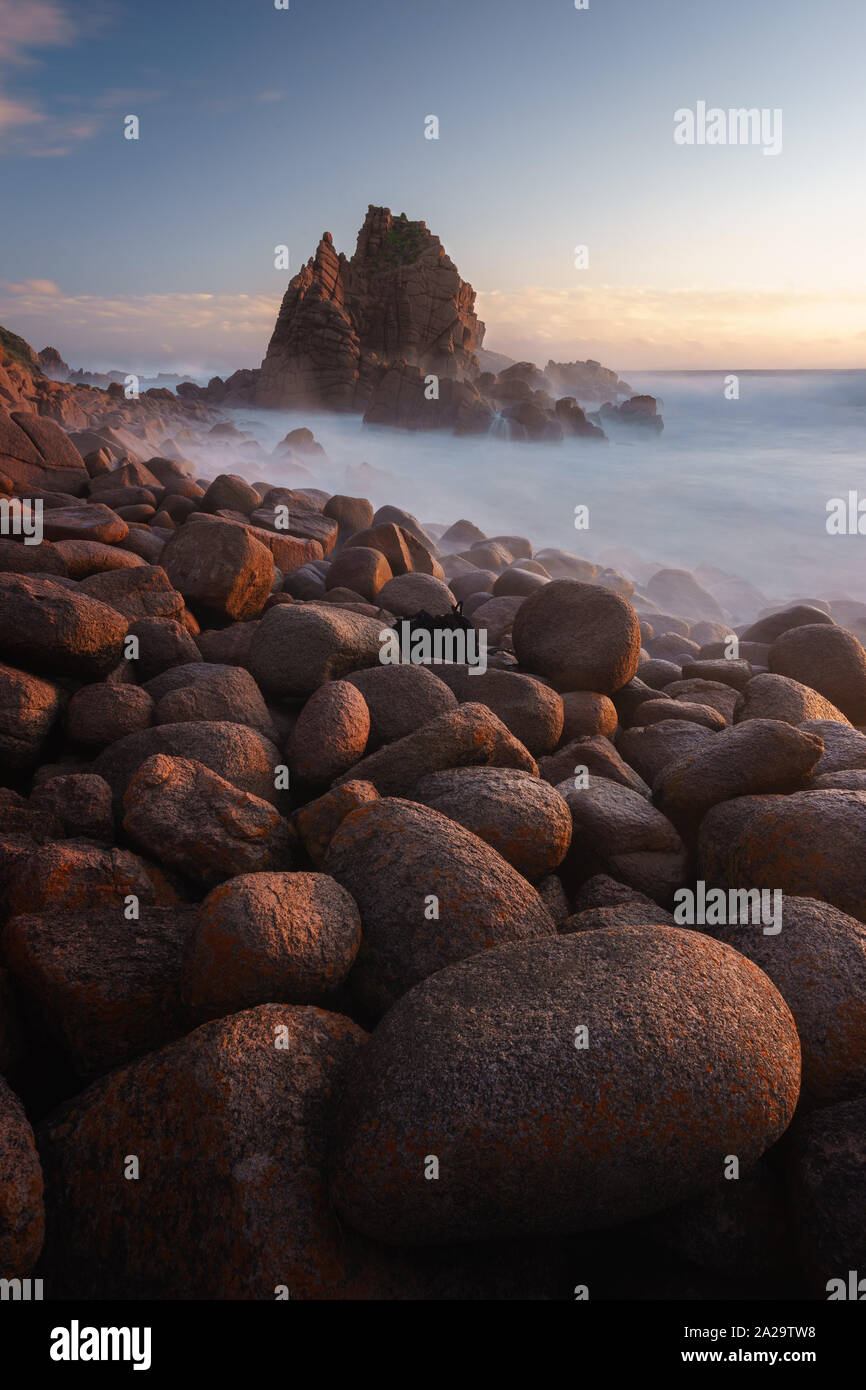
(355, 977)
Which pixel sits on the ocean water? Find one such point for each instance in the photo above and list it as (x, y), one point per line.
(741, 485)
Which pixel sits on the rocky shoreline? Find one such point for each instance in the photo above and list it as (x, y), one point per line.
(330, 976)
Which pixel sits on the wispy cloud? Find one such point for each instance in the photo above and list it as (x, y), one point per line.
(28, 24)
(38, 289)
(27, 28)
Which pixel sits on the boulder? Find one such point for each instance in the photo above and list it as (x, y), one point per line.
(317, 822)
(199, 823)
(828, 660)
(22, 1214)
(616, 831)
(429, 893)
(400, 699)
(469, 736)
(529, 708)
(37, 453)
(807, 844)
(768, 628)
(360, 568)
(101, 714)
(233, 751)
(298, 647)
(29, 709)
(523, 818)
(585, 712)
(679, 591)
(598, 756)
(580, 636)
(762, 755)
(53, 630)
(270, 938)
(485, 1058)
(331, 733)
(222, 694)
(818, 964)
(79, 875)
(827, 1175)
(81, 804)
(230, 1126)
(102, 987)
(408, 594)
(140, 592)
(769, 696)
(220, 568)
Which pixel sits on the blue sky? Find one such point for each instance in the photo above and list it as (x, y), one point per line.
(261, 126)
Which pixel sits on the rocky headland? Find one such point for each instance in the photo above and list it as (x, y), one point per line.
(391, 333)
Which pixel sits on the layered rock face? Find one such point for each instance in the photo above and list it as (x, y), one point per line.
(344, 322)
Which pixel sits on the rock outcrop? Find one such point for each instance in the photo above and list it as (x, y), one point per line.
(344, 322)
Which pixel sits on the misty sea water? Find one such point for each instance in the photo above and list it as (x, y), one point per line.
(742, 484)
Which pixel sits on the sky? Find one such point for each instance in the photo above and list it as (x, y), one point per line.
(260, 127)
